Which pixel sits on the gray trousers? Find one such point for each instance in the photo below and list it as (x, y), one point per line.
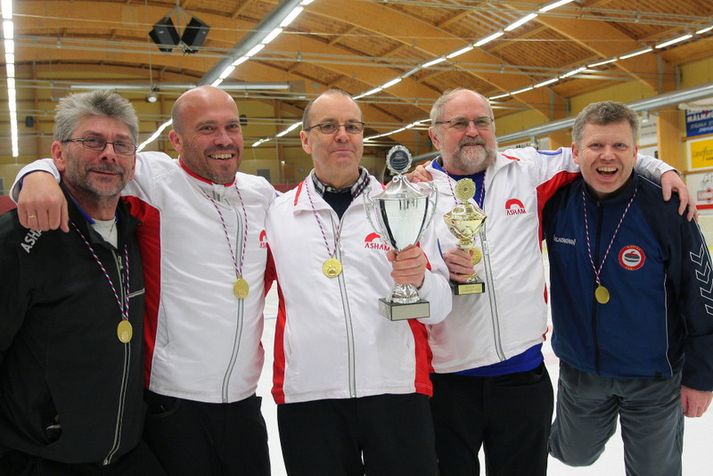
(649, 411)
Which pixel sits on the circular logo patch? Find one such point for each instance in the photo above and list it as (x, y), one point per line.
(631, 257)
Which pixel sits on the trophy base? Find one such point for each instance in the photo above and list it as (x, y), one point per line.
(460, 289)
(399, 312)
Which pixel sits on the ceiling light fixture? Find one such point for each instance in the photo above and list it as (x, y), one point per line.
(165, 35)
(8, 27)
(488, 39)
(674, 41)
(635, 53)
(554, 5)
(247, 86)
(521, 22)
(152, 96)
(601, 63)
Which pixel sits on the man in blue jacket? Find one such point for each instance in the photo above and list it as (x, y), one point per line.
(632, 305)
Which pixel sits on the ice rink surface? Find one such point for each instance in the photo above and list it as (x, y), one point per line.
(698, 436)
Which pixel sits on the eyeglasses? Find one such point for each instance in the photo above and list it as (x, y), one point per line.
(331, 127)
(98, 144)
(461, 123)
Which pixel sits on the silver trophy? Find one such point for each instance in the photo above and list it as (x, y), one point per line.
(399, 214)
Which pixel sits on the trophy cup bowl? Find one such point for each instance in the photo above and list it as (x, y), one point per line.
(464, 222)
(399, 214)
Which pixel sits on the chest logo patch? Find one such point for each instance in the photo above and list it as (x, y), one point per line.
(514, 207)
(263, 239)
(30, 239)
(373, 241)
(631, 257)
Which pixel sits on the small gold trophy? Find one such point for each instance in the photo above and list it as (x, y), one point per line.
(464, 221)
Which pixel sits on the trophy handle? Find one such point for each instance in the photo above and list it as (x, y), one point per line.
(369, 207)
(432, 203)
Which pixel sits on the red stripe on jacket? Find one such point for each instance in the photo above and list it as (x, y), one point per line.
(149, 236)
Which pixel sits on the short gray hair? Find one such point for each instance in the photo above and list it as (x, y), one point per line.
(603, 113)
(437, 108)
(104, 102)
(305, 114)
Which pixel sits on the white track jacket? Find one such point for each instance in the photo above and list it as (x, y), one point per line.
(330, 340)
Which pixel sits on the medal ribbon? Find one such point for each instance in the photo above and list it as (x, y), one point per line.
(598, 271)
(321, 227)
(237, 266)
(123, 306)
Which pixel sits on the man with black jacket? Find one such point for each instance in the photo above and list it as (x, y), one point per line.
(71, 309)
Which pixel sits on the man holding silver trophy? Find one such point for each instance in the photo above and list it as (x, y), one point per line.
(491, 387)
(352, 387)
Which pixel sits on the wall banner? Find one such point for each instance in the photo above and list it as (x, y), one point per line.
(700, 154)
(699, 122)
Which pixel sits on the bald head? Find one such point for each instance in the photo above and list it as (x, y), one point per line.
(306, 120)
(197, 98)
(206, 133)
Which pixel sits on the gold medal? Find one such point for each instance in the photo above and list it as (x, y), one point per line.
(241, 288)
(124, 331)
(601, 294)
(332, 267)
(476, 255)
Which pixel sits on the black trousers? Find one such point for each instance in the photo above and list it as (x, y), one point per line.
(207, 439)
(509, 415)
(389, 435)
(139, 461)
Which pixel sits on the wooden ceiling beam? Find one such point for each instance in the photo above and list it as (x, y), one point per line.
(241, 8)
(338, 38)
(453, 19)
(607, 41)
(371, 74)
(423, 36)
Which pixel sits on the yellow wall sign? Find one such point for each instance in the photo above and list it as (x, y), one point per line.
(701, 153)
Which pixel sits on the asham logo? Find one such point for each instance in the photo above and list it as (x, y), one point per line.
(514, 207)
(263, 239)
(30, 240)
(565, 241)
(373, 242)
(631, 257)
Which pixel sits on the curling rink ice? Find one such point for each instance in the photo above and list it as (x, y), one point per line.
(698, 436)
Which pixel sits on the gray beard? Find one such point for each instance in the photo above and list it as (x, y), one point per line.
(473, 161)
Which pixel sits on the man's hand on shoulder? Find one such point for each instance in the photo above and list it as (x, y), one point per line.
(420, 174)
(672, 182)
(41, 204)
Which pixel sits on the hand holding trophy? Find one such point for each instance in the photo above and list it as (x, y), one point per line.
(399, 214)
(464, 221)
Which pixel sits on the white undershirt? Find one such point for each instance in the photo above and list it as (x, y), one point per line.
(107, 229)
